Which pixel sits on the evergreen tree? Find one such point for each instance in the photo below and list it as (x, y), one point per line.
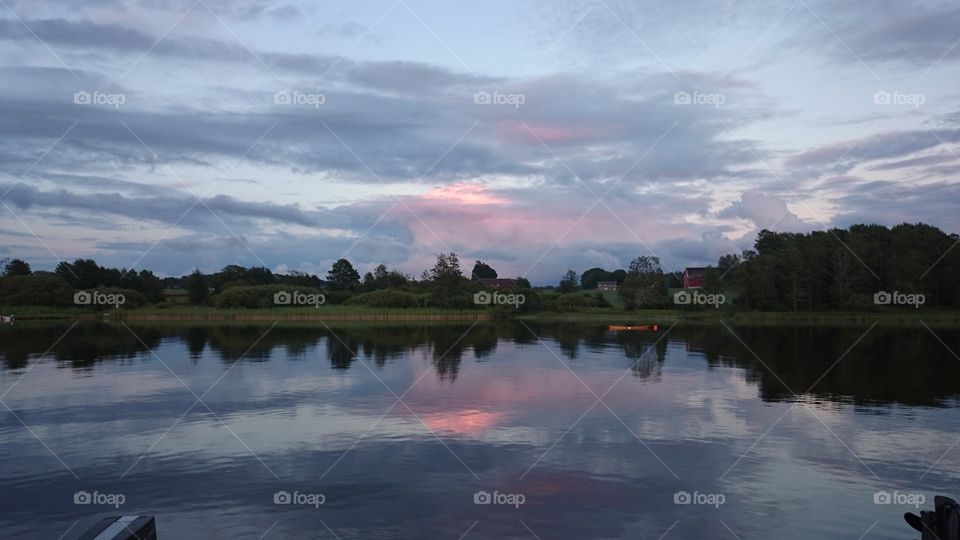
(197, 288)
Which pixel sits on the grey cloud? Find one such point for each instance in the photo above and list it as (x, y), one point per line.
(911, 33)
(345, 29)
(915, 162)
(898, 202)
(166, 210)
(403, 138)
(395, 76)
(887, 145)
(902, 31)
(705, 250)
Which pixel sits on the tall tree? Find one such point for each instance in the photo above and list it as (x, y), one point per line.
(86, 274)
(644, 286)
(446, 283)
(447, 267)
(726, 264)
(197, 288)
(16, 267)
(260, 275)
(568, 283)
(343, 276)
(482, 270)
(590, 278)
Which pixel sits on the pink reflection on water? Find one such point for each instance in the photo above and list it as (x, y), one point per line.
(469, 423)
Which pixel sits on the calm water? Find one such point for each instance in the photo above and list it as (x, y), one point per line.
(753, 417)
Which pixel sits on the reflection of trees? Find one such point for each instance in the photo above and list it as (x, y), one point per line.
(196, 340)
(448, 346)
(890, 364)
(646, 351)
(254, 342)
(84, 346)
(341, 351)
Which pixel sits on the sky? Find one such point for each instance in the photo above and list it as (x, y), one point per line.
(536, 136)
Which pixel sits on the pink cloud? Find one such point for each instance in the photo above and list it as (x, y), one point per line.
(534, 134)
(463, 193)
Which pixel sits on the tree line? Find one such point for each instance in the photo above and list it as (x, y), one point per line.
(837, 269)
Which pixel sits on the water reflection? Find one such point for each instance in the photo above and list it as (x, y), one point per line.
(906, 365)
(507, 407)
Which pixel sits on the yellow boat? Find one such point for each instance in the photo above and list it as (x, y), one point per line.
(635, 328)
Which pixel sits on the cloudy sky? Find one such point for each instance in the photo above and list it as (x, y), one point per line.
(537, 136)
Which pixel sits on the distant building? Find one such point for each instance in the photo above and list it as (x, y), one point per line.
(606, 285)
(693, 277)
(498, 283)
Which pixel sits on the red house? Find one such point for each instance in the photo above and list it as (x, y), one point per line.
(502, 283)
(693, 277)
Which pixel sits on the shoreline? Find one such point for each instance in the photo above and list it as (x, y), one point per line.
(351, 313)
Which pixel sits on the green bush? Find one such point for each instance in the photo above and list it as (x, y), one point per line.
(531, 300)
(35, 290)
(451, 299)
(423, 299)
(260, 296)
(385, 298)
(110, 297)
(572, 302)
(335, 298)
(548, 300)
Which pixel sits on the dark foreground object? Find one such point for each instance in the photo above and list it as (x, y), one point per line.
(123, 528)
(941, 524)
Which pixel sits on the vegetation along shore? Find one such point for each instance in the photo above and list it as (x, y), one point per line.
(864, 273)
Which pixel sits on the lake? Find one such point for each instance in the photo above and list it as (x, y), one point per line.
(489, 430)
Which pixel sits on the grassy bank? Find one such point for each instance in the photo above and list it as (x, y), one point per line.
(199, 313)
(598, 316)
(918, 317)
